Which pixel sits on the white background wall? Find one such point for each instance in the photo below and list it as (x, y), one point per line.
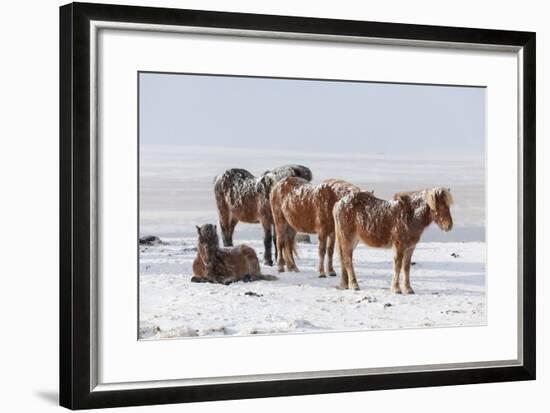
(29, 203)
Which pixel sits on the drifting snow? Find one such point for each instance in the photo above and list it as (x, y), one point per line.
(448, 278)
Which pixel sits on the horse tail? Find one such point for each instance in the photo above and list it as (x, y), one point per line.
(274, 239)
(337, 229)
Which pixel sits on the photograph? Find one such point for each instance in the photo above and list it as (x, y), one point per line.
(292, 205)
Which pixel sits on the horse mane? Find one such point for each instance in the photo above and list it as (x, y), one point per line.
(431, 196)
(285, 171)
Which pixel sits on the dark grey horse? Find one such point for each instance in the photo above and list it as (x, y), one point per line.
(240, 196)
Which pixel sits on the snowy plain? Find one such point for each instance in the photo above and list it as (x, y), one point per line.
(449, 292)
(176, 193)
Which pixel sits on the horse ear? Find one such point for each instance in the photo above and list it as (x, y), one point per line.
(198, 228)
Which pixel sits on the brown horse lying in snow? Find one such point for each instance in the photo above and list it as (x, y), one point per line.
(398, 223)
(298, 205)
(224, 265)
(240, 196)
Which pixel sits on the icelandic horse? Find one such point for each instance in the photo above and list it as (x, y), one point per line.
(398, 223)
(299, 206)
(224, 265)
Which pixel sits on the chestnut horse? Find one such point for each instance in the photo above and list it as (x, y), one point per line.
(224, 265)
(379, 223)
(298, 205)
(240, 196)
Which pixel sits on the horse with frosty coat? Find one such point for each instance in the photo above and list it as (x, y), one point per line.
(398, 223)
(299, 205)
(224, 265)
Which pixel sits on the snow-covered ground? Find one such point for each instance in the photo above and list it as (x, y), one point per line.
(450, 291)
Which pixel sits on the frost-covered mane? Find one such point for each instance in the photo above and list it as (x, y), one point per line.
(431, 196)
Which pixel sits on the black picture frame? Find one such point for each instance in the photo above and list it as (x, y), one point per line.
(75, 219)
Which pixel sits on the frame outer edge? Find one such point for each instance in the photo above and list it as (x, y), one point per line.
(75, 214)
(82, 306)
(66, 363)
(529, 206)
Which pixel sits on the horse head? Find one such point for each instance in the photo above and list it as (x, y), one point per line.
(208, 243)
(439, 201)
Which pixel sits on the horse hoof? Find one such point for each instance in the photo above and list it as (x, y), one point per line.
(322, 276)
(332, 274)
(355, 287)
(396, 290)
(408, 291)
(268, 263)
(343, 287)
(295, 269)
(281, 269)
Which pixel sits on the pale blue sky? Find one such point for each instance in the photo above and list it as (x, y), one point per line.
(317, 116)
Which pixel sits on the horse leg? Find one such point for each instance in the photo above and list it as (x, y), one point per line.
(267, 243)
(397, 263)
(407, 256)
(330, 250)
(344, 280)
(224, 213)
(322, 252)
(279, 230)
(347, 251)
(344, 271)
(274, 236)
(290, 236)
(232, 226)
(227, 223)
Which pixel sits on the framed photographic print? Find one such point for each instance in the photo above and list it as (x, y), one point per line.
(258, 206)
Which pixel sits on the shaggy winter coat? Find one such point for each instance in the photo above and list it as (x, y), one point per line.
(398, 223)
